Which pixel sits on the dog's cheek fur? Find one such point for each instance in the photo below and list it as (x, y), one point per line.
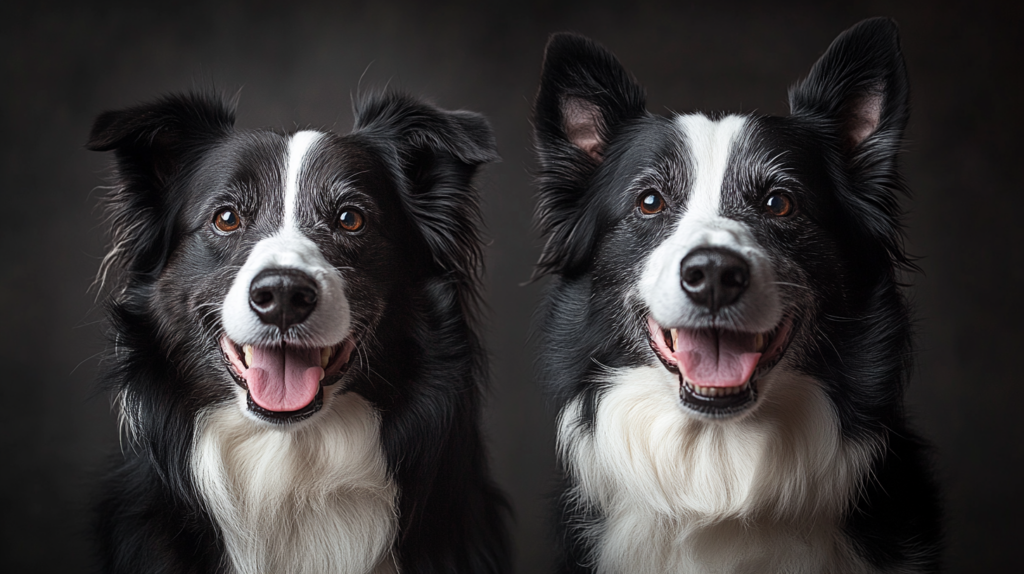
(155, 146)
(433, 156)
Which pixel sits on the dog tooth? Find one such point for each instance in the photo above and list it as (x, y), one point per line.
(248, 355)
(675, 339)
(759, 341)
(325, 357)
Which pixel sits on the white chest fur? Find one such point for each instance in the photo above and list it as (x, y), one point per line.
(312, 499)
(761, 493)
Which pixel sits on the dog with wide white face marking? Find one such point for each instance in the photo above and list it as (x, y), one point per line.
(294, 344)
(724, 335)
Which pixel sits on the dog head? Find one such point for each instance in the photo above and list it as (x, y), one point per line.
(713, 243)
(265, 262)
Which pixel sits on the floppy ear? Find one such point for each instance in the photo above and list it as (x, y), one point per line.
(859, 92)
(585, 96)
(153, 145)
(437, 152)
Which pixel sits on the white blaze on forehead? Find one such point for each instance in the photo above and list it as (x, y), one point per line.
(299, 147)
(708, 146)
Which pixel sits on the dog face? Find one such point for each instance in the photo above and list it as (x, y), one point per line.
(712, 244)
(267, 260)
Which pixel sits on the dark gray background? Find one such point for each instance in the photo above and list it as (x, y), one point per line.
(297, 64)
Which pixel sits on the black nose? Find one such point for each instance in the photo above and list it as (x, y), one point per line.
(282, 297)
(714, 277)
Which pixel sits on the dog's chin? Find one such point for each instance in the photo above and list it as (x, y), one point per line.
(333, 363)
(720, 399)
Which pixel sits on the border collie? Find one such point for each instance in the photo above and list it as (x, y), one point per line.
(724, 334)
(295, 353)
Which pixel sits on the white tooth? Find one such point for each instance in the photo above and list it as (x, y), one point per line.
(325, 357)
(323, 374)
(248, 355)
(675, 339)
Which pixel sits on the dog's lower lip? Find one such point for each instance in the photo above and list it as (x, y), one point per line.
(715, 403)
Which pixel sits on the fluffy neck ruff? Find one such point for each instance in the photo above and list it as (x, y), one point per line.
(677, 493)
(312, 499)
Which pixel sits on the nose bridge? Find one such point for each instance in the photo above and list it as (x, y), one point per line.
(716, 236)
(290, 251)
(712, 231)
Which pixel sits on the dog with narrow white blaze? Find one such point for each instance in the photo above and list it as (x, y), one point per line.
(294, 340)
(724, 333)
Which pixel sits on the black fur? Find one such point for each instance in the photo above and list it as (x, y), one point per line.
(413, 282)
(843, 250)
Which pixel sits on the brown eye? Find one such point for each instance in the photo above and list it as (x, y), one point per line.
(227, 221)
(650, 202)
(351, 220)
(779, 204)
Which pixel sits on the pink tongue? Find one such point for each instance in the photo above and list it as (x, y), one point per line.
(284, 379)
(712, 358)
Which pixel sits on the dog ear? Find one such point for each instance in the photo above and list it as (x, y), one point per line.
(858, 91)
(436, 153)
(585, 96)
(152, 143)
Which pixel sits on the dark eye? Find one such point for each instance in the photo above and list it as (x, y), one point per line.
(650, 202)
(351, 220)
(227, 221)
(779, 204)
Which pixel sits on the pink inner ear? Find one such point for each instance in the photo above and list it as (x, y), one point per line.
(582, 123)
(865, 115)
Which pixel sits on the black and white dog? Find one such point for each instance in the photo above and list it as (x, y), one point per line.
(725, 335)
(295, 355)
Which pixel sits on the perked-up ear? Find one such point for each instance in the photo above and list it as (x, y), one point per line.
(859, 86)
(585, 97)
(859, 91)
(436, 152)
(152, 144)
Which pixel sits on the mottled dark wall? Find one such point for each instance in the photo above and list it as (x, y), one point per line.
(297, 64)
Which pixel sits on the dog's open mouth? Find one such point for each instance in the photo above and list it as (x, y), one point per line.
(285, 382)
(718, 369)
